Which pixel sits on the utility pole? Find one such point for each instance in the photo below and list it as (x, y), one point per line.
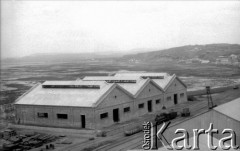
(209, 97)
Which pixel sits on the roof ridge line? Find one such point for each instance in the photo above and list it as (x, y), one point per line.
(157, 85)
(114, 85)
(144, 85)
(99, 99)
(170, 82)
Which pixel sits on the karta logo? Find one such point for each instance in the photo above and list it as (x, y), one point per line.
(148, 142)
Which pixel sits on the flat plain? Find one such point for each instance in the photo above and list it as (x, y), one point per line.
(17, 78)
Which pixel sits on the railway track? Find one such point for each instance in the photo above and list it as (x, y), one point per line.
(135, 141)
(121, 143)
(86, 144)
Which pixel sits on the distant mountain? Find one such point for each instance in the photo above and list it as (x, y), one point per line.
(62, 57)
(73, 57)
(208, 52)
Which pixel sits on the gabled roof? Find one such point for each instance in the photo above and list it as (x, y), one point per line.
(68, 96)
(135, 88)
(230, 109)
(114, 86)
(167, 81)
(132, 88)
(84, 97)
(145, 84)
(162, 83)
(90, 91)
(181, 81)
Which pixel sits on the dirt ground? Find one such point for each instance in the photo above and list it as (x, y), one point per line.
(87, 140)
(16, 79)
(119, 141)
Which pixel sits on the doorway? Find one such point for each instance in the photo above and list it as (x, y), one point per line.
(175, 99)
(150, 106)
(24, 119)
(115, 115)
(83, 121)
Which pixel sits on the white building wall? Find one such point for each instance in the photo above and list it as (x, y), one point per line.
(28, 114)
(116, 99)
(122, 100)
(150, 92)
(178, 88)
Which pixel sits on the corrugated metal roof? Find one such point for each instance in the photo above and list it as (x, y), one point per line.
(65, 96)
(231, 109)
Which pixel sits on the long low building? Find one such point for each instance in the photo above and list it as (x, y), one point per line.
(96, 102)
(223, 117)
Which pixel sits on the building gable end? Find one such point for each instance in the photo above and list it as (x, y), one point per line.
(116, 96)
(149, 89)
(174, 85)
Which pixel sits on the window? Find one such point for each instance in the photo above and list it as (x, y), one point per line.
(42, 115)
(158, 101)
(182, 95)
(126, 109)
(103, 115)
(115, 96)
(62, 116)
(141, 105)
(169, 98)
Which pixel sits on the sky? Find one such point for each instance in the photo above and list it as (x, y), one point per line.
(29, 27)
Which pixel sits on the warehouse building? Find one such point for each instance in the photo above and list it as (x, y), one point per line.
(96, 102)
(225, 116)
(228, 116)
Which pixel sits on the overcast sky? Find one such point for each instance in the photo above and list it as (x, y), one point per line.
(30, 27)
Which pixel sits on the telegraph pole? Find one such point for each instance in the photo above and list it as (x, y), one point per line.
(209, 97)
